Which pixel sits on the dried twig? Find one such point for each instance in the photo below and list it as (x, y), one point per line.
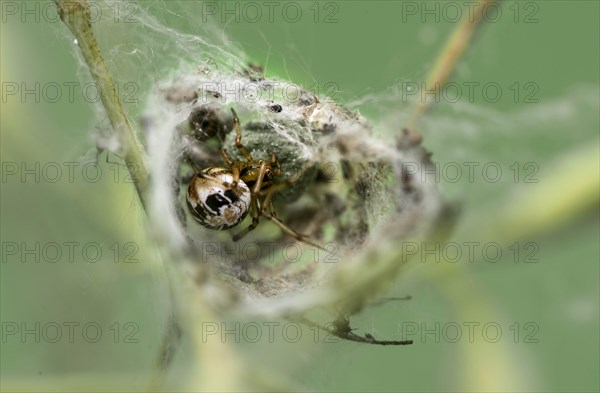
(446, 61)
(76, 15)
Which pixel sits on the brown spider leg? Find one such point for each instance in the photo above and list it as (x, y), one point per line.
(226, 158)
(298, 236)
(238, 137)
(274, 163)
(254, 209)
(261, 175)
(268, 204)
(235, 169)
(262, 210)
(281, 186)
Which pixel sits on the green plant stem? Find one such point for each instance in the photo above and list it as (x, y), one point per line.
(76, 15)
(170, 343)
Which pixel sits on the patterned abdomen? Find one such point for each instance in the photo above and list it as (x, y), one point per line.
(212, 201)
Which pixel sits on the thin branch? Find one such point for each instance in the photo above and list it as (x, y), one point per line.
(76, 15)
(385, 300)
(343, 330)
(170, 343)
(445, 64)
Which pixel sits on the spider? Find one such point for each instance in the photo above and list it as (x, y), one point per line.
(220, 198)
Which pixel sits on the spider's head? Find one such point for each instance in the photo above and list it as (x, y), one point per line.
(250, 174)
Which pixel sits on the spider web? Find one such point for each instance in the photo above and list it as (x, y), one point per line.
(164, 62)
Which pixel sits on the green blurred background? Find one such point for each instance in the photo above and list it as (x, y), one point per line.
(371, 48)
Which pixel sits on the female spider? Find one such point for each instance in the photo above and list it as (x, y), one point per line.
(220, 198)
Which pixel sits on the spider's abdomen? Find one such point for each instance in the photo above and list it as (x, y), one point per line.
(215, 205)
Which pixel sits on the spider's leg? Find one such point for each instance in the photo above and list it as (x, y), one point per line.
(287, 183)
(235, 167)
(268, 211)
(298, 236)
(261, 175)
(274, 163)
(195, 167)
(226, 158)
(254, 209)
(238, 137)
(272, 210)
(235, 170)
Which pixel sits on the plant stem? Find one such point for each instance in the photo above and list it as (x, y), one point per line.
(76, 15)
(446, 62)
(343, 330)
(170, 343)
